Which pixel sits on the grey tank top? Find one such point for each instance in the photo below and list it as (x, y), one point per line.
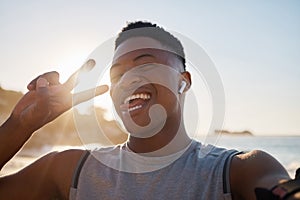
(193, 175)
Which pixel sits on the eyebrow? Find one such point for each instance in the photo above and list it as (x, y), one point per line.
(142, 56)
(135, 59)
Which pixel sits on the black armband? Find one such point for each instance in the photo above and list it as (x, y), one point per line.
(280, 191)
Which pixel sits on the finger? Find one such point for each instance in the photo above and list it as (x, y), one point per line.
(41, 105)
(72, 81)
(41, 83)
(51, 77)
(38, 111)
(89, 94)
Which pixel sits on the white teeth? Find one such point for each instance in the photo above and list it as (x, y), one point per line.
(134, 108)
(137, 96)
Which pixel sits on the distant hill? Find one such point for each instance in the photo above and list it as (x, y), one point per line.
(62, 131)
(226, 132)
(8, 99)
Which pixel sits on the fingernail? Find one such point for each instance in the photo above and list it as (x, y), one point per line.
(41, 82)
(89, 65)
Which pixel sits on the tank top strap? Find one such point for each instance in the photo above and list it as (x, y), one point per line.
(226, 174)
(77, 171)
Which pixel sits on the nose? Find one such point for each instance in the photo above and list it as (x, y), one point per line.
(130, 81)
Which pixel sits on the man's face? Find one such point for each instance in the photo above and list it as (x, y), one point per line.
(143, 78)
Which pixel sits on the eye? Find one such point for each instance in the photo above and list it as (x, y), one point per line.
(149, 66)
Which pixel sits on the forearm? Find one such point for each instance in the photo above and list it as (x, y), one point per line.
(12, 137)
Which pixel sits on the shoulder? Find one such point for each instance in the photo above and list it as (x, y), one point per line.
(62, 168)
(255, 169)
(257, 163)
(49, 176)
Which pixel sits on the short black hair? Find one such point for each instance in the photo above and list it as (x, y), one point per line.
(155, 32)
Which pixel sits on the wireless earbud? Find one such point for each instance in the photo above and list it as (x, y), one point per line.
(182, 87)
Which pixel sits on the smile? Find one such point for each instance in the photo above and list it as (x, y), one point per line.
(143, 96)
(136, 101)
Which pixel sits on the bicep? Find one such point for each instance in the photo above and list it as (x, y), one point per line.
(255, 169)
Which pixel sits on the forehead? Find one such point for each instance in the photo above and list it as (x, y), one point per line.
(154, 55)
(139, 43)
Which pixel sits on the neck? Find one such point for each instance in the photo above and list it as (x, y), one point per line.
(168, 141)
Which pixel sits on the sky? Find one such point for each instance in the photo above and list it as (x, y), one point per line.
(255, 46)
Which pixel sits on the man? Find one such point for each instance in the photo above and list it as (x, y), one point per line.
(159, 160)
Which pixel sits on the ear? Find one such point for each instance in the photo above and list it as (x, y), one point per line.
(186, 76)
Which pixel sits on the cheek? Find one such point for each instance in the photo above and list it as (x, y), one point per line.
(113, 96)
(168, 98)
(169, 87)
(114, 93)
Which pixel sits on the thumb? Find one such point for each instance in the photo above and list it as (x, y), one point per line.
(41, 83)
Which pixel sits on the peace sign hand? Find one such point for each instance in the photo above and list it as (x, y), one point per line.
(47, 98)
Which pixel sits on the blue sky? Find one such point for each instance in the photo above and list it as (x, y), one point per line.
(255, 46)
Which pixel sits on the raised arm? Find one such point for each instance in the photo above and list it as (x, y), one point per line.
(50, 176)
(45, 101)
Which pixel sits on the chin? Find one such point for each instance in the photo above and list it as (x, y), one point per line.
(145, 131)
